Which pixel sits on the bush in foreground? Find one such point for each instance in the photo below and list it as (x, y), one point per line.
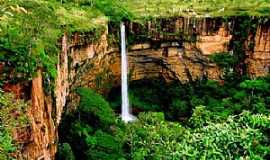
(237, 137)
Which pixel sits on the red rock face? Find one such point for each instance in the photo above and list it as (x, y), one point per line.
(148, 60)
(62, 85)
(16, 89)
(20, 90)
(43, 132)
(259, 59)
(214, 43)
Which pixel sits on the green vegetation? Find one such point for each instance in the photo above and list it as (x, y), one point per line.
(6, 146)
(29, 34)
(151, 137)
(230, 98)
(12, 118)
(94, 132)
(199, 8)
(65, 152)
(199, 120)
(114, 9)
(12, 111)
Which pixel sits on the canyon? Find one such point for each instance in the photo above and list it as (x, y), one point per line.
(173, 48)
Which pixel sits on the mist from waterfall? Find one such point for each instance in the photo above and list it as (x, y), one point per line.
(125, 114)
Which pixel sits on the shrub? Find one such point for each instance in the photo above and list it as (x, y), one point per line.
(259, 85)
(13, 111)
(178, 109)
(93, 104)
(6, 144)
(153, 138)
(104, 146)
(12, 118)
(65, 152)
(114, 10)
(223, 60)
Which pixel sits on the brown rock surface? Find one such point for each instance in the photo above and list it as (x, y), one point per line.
(61, 84)
(43, 134)
(214, 44)
(146, 60)
(259, 59)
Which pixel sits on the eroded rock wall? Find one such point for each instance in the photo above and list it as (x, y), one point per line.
(43, 140)
(259, 58)
(182, 53)
(62, 84)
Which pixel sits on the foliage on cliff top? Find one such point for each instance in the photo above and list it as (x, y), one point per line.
(30, 30)
(128, 9)
(198, 8)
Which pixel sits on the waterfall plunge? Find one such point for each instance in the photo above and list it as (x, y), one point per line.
(126, 115)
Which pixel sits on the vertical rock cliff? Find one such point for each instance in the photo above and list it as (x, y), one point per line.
(61, 84)
(43, 131)
(176, 48)
(259, 58)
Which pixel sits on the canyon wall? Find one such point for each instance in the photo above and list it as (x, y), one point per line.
(169, 56)
(177, 48)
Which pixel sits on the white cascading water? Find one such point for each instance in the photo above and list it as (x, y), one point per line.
(126, 115)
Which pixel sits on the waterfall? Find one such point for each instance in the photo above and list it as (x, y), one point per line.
(126, 115)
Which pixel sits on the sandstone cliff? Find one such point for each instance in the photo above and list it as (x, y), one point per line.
(174, 49)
